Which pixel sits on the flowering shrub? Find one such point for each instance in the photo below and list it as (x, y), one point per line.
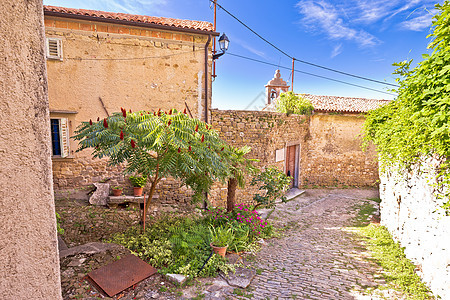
(242, 213)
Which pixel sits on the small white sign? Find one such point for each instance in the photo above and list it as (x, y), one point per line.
(279, 155)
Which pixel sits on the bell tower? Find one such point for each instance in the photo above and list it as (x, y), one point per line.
(275, 87)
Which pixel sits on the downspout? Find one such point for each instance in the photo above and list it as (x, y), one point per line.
(205, 202)
(206, 78)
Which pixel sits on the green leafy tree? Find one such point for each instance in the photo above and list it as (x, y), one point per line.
(417, 123)
(158, 145)
(239, 167)
(290, 103)
(272, 184)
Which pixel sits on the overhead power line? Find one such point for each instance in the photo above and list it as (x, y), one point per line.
(310, 74)
(299, 60)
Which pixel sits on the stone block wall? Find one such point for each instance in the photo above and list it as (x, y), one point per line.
(410, 211)
(264, 132)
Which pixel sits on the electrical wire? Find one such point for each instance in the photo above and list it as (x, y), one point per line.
(135, 58)
(310, 74)
(299, 60)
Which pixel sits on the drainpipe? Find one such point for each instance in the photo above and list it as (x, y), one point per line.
(206, 78)
(205, 202)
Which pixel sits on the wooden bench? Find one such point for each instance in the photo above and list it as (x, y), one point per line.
(115, 201)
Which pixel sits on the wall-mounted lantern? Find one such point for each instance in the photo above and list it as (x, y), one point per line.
(224, 42)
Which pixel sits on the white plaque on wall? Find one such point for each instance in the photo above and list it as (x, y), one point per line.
(279, 155)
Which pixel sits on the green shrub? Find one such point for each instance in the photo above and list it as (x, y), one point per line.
(221, 236)
(290, 103)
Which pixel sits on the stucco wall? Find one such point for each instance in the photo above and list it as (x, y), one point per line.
(334, 155)
(126, 66)
(29, 264)
(411, 212)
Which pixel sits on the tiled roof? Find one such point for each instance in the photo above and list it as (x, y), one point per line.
(344, 104)
(188, 24)
(339, 104)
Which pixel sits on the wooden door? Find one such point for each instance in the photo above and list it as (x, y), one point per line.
(290, 163)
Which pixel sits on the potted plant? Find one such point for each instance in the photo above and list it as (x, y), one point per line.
(138, 183)
(117, 190)
(221, 237)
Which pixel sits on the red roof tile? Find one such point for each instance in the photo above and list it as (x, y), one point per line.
(188, 24)
(339, 104)
(344, 104)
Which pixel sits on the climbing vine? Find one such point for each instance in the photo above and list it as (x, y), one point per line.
(417, 123)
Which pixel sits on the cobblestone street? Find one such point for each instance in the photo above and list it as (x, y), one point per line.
(317, 258)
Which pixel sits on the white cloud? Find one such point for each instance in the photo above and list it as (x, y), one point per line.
(324, 17)
(247, 46)
(418, 23)
(336, 50)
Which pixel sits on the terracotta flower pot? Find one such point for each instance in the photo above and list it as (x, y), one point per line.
(138, 191)
(117, 192)
(219, 250)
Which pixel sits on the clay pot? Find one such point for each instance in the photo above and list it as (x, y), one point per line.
(219, 250)
(138, 191)
(117, 192)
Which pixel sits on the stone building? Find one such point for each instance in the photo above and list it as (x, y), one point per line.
(100, 61)
(331, 153)
(323, 149)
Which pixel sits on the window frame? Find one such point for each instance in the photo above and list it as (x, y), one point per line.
(59, 48)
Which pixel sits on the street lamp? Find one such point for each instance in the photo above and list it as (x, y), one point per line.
(223, 43)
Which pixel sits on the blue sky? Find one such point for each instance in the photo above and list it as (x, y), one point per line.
(362, 37)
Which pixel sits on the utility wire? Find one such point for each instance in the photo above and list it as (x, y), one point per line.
(135, 58)
(299, 60)
(307, 73)
(246, 26)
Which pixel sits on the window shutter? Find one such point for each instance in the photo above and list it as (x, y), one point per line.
(54, 48)
(64, 136)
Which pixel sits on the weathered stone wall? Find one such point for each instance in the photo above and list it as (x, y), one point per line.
(29, 263)
(333, 153)
(264, 132)
(411, 212)
(124, 66)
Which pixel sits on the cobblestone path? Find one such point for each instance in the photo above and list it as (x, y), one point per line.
(317, 258)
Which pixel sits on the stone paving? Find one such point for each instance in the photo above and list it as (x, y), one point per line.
(317, 258)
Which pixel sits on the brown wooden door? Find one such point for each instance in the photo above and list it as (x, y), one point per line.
(290, 163)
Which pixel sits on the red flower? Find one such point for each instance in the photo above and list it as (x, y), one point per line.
(105, 123)
(196, 128)
(170, 111)
(154, 113)
(179, 150)
(207, 126)
(170, 122)
(121, 135)
(203, 138)
(133, 144)
(190, 149)
(130, 111)
(222, 148)
(184, 111)
(98, 119)
(124, 113)
(90, 122)
(141, 114)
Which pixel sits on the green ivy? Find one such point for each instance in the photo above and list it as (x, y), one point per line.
(417, 123)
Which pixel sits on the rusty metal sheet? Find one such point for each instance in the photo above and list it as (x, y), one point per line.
(121, 274)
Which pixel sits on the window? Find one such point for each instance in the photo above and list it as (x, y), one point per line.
(60, 137)
(54, 48)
